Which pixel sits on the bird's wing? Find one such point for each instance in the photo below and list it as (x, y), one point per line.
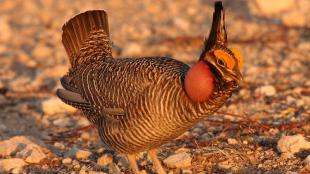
(107, 88)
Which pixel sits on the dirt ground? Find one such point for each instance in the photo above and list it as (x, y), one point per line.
(242, 137)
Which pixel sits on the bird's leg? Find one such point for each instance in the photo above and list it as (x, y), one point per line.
(153, 155)
(133, 163)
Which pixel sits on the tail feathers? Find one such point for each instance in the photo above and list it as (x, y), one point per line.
(86, 36)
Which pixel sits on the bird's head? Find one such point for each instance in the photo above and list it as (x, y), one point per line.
(217, 65)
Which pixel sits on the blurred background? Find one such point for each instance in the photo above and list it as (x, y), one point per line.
(273, 36)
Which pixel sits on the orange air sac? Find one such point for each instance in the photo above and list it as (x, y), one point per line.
(199, 82)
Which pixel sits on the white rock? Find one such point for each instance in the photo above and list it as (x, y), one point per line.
(105, 159)
(292, 144)
(225, 165)
(268, 7)
(23, 147)
(180, 160)
(78, 153)
(32, 154)
(8, 164)
(55, 105)
(232, 141)
(67, 160)
(307, 161)
(267, 90)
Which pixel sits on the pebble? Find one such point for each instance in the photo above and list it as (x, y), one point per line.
(105, 159)
(307, 161)
(82, 154)
(267, 90)
(180, 160)
(67, 160)
(55, 105)
(225, 165)
(6, 165)
(292, 144)
(23, 147)
(232, 141)
(77, 153)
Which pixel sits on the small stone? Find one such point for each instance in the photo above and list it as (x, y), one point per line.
(182, 149)
(225, 165)
(78, 153)
(85, 136)
(232, 141)
(307, 161)
(8, 164)
(105, 159)
(267, 90)
(67, 160)
(27, 148)
(180, 160)
(82, 154)
(292, 144)
(55, 105)
(59, 145)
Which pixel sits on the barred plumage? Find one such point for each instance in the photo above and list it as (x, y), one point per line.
(139, 104)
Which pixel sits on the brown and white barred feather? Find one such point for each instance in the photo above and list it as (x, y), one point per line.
(136, 104)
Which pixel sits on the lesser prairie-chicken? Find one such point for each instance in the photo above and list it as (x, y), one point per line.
(138, 104)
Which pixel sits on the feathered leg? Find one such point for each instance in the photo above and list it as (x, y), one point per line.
(133, 163)
(153, 155)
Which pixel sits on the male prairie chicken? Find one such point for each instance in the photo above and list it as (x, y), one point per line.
(138, 104)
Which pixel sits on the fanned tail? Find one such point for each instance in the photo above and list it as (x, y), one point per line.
(86, 36)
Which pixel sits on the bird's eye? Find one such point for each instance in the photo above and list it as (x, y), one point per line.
(221, 62)
(224, 59)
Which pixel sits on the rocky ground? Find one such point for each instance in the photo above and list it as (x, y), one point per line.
(263, 128)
